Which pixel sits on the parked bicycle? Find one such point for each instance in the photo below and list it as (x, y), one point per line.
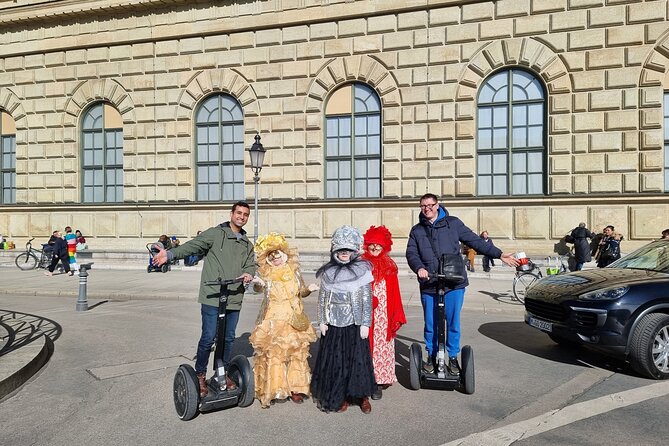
(526, 277)
(33, 258)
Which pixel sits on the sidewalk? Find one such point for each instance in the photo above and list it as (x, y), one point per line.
(486, 292)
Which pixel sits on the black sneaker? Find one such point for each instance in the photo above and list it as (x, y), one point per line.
(378, 394)
(428, 366)
(453, 367)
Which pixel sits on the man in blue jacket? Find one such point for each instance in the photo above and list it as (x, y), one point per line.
(439, 233)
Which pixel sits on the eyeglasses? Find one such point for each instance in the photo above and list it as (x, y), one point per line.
(428, 206)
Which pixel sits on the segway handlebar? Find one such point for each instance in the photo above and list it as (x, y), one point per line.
(221, 282)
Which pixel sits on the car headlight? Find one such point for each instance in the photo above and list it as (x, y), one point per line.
(605, 294)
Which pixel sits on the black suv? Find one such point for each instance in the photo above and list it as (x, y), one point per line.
(622, 309)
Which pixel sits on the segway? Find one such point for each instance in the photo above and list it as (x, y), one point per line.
(441, 378)
(187, 399)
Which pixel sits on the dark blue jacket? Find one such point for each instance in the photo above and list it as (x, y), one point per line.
(60, 249)
(447, 232)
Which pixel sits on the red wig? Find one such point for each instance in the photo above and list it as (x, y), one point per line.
(379, 235)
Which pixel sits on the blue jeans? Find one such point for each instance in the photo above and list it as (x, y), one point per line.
(578, 266)
(453, 304)
(209, 329)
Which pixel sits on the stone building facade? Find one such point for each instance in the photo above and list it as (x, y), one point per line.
(143, 70)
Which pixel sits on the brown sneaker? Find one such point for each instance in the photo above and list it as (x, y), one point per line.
(296, 398)
(202, 380)
(365, 406)
(229, 383)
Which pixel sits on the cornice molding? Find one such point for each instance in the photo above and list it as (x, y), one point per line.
(55, 10)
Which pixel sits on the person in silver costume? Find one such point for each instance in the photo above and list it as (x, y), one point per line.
(344, 372)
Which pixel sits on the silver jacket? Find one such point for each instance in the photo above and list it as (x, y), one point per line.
(342, 309)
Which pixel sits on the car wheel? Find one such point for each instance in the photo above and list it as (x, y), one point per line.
(649, 347)
(563, 342)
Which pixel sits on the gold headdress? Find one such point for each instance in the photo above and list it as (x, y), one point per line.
(270, 242)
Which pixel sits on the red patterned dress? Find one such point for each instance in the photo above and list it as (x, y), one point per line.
(383, 348)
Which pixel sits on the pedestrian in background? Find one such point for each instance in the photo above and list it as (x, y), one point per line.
(579, 237)
(665, 234)
(81, 240)
(71, 240)
(60, 254)
(487, 260)
(470, 255)
(609, 247)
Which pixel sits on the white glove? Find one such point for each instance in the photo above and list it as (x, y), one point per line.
(364, 332)
(324, 329)
(258, 284)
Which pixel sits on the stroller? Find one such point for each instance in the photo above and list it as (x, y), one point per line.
(165, 267)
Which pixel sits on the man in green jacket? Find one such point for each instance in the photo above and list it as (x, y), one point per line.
(228, 254)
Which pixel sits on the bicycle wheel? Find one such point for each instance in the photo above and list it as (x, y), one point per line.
(521, 283)
(26, 261)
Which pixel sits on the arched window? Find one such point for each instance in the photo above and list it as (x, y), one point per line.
(102, 136)
(220, 149)
(511, 147)
(353, 143)
(8, 159)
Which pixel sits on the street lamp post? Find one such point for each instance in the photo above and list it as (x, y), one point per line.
(257, 154)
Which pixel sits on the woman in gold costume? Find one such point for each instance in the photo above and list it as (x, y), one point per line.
(283, 332)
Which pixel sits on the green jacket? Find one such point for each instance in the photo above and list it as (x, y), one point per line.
(225, 256)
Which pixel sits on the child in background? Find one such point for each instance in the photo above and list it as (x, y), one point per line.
(71, 240)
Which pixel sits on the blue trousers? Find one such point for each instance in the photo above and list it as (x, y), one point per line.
(453, 304)
(209, 328)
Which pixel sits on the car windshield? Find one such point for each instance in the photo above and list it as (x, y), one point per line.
(652, 257)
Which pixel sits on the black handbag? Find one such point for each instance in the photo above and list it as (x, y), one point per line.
(452, 267)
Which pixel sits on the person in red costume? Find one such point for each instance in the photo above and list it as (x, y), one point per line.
(387, 314)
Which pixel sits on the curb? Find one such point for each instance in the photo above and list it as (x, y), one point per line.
(16, 380)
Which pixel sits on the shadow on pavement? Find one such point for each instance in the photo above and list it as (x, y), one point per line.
(402, 355)
(520, 337)
(32, 327)
(505, 298)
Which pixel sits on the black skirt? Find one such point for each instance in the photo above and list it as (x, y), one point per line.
(343, 369)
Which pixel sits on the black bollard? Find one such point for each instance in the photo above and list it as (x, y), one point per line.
(82, 301)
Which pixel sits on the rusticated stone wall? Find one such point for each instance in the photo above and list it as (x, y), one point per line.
(603, 64)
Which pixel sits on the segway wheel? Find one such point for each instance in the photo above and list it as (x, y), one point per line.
(241, 373)
(186, 392)
(164, 267)
(415, 365)
(149, 269)
(468, 381)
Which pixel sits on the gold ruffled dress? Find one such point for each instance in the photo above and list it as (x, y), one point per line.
(281, 351)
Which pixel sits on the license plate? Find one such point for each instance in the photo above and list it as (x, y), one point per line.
(541, 325)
